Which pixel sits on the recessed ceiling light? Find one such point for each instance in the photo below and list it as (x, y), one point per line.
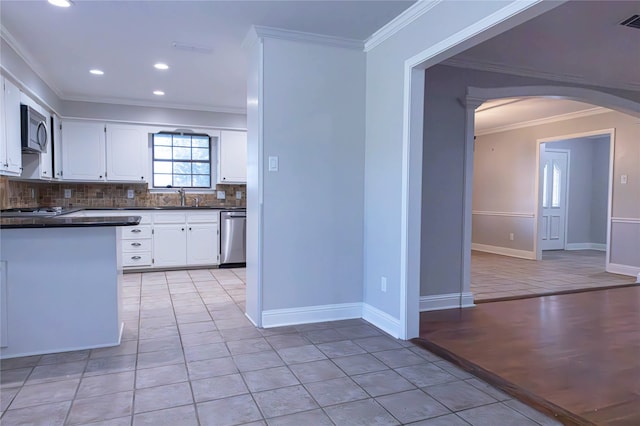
(161, 66)
(96, 72)
(158, 92)
(61, 3)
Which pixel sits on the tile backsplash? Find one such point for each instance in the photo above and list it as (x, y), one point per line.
(15, 193)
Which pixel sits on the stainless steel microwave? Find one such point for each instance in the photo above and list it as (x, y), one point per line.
(34, 130)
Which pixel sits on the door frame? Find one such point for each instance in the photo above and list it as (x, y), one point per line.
(538, 191)
(538, 197)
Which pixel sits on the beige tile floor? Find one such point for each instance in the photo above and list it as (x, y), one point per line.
(190, 357)
(494, 276)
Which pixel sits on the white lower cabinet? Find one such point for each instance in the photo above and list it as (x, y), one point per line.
(169, 245)
(180, 240)
(166, 239)
(136, 242)
(202, 244)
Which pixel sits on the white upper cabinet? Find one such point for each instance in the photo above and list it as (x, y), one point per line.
(95, 151)
(232, 157)
(10, 142)
(56, 151)
(83, 151)
(127, 150)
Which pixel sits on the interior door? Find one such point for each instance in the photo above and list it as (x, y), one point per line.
(555, 165)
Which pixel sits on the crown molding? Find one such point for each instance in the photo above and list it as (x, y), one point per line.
(533, 73)
(412, 13)
(547, 120)
(250, 39)
(165, 105)
(269, 32)
(29, 60)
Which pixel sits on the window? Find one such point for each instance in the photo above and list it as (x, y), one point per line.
(181, 160)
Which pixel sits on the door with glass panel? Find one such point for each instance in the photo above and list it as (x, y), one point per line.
(555, 166)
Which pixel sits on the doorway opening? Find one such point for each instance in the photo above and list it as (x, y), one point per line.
(541, 206)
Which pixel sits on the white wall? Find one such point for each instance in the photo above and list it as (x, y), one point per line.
(17, 69)
(153, 115)
(313, 121)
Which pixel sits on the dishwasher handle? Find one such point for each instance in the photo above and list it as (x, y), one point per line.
(235, 214)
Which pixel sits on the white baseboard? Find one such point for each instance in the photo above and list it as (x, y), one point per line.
(586, 246)
(446, 301)
(616, 268)
(310, 314)
(504, 251)
(382, 320)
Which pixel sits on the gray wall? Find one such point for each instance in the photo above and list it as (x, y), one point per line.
(444, 138)
(313, 120)
(600, 193)
(589, 175)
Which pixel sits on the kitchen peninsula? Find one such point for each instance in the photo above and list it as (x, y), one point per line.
(60, 283)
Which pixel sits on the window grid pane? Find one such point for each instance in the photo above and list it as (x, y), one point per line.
(181, 161)
(557, 176)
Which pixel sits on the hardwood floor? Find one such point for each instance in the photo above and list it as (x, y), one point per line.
(576, 356)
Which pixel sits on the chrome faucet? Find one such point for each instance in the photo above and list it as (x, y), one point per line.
(183, 197)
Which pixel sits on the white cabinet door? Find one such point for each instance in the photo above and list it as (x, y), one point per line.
(232, 157)
(126, 153)
(202, 244)
(83, 151)
(56, 148)
(11, 146)
(169, 245)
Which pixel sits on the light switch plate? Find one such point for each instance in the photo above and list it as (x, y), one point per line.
(130, 193)
(221, 195)
(273, 163)
(623, 179)
(67, 193)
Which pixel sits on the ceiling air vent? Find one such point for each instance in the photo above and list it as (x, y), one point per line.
(633, 22)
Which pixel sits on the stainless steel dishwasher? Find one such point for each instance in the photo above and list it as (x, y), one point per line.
(233, 238)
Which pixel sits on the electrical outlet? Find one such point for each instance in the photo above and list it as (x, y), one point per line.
(511, 236)
(623, 179)
(383, 284)
(130, 193)
(33, 193)
(238, 195)
(67, 193)
(221, 195)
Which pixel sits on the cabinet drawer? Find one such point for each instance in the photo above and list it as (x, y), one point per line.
(203, 217)
(136, 245)
(169, 218)
(136, 232)
(136, 259)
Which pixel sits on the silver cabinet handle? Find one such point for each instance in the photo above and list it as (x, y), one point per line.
(136, 231)
(136, 257)
(136, 244)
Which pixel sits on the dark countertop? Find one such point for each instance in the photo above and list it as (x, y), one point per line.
(67, 222)
(155, 208)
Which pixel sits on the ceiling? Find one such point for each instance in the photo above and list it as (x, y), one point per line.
(125, 39)
(510, 113)
(578, 41)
